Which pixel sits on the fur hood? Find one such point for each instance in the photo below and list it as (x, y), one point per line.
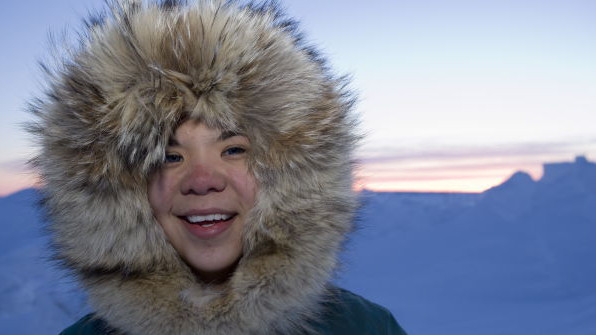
(102, 128)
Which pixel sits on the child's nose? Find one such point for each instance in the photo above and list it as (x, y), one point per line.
(203, 179)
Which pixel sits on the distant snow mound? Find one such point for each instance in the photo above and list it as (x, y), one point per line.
(580, 170)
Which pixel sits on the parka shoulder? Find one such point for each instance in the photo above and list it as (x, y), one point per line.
(88, 325)
(347, 313)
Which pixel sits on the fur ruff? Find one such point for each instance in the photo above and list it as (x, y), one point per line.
(102, 129)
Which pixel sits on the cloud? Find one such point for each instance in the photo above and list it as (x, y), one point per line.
(530, 151)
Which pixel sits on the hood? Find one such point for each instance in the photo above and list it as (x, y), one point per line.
(102, 127)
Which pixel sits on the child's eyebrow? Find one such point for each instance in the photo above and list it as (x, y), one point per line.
(172, 142)
(227, 134)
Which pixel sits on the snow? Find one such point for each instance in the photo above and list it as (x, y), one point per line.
(35, 296)
(516, 259)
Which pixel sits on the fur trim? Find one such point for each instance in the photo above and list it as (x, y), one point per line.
(103, 127)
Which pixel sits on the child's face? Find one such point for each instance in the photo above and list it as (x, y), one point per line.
(202, 195)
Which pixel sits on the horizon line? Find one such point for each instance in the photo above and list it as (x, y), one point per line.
(399, 182)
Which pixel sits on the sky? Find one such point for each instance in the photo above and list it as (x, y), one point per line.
(453, 95)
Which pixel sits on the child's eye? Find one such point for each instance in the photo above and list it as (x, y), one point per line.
(233, 151)
(173, 158)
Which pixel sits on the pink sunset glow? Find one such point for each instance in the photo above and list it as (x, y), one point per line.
(11, 182)
(471, 177)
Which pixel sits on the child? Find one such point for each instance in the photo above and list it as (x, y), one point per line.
(197, 165)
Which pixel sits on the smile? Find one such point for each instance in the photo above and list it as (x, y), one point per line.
(208, 220)
(208, 225)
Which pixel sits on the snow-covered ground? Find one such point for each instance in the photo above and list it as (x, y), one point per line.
(516, 259)
(35, 296)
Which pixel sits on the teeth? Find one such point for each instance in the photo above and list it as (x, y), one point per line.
(210, 217)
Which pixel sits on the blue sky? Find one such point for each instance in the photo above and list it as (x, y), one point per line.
(454, 95)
